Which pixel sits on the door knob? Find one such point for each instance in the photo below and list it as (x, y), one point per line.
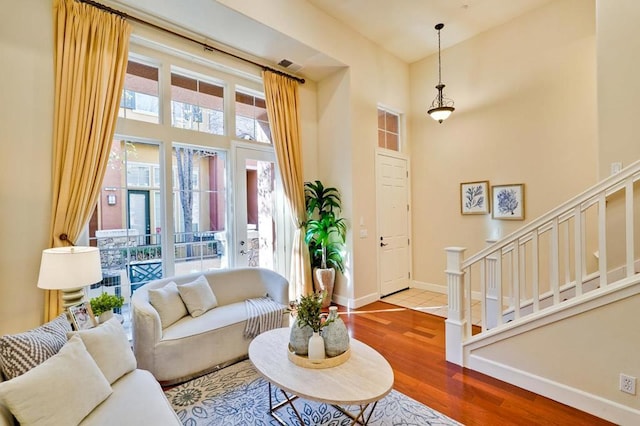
(383, 244)
(243, 252)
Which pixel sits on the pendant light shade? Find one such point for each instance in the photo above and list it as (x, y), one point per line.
(441, 107)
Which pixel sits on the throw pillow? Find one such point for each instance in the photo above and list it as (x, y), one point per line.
(167, 301)
(198, 296)
(21, 352)
(60, 391)
(109, 347)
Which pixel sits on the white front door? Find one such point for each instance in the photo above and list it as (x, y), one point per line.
(393, 222)
(255, 207)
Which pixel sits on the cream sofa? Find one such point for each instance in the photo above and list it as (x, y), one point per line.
(92, 378)
(193, 346)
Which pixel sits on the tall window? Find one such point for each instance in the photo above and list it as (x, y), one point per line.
(199, 209)
(197, 105)
(388, 130)
(124, 226)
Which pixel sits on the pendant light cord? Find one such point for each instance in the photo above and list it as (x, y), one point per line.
(439, 61)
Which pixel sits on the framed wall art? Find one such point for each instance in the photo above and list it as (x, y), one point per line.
(82, 316)
(508, 201)
(474, 197)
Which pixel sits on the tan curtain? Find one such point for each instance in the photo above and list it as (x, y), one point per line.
(282, 107)
(91, 50)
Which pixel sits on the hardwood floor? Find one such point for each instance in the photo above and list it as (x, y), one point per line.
(413, 343)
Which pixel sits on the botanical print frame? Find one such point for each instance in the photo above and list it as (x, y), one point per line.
(474, 197)
(508, 201)
(82, 316)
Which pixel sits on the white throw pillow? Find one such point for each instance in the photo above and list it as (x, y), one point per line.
(109, 346)
(198, 296)
(60, 391)
(167, 301)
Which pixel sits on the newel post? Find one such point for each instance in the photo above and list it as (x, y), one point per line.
(455, 323)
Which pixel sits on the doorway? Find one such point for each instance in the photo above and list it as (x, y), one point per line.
(255, 207)
(139, 217)
(393, 211)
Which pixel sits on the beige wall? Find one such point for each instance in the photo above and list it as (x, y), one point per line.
(26, 123)
(345, 160)
(525, 113)
(618, 83)
(607, 340)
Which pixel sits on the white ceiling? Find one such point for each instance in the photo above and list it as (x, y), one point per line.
(403, 27)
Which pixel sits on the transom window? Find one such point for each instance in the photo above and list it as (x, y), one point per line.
(388, 130)
(251, 118)
(140, 96)
(197, 105)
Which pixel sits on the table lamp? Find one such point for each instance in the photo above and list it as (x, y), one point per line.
(70, 269)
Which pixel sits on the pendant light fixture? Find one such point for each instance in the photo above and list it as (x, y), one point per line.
(441, 107)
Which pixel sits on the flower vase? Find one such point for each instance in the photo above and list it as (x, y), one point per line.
(335, 333)
(316, 347)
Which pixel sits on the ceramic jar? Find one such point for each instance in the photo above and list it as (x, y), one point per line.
(336, 336)
(299, 338)
(316, 347)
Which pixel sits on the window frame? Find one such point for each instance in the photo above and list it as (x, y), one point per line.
(400, 134)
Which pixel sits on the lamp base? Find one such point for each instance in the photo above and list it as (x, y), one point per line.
(72, 296)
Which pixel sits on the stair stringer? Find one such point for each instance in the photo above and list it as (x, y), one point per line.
(559, 353)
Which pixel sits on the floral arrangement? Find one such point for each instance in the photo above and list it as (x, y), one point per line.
(309, 311)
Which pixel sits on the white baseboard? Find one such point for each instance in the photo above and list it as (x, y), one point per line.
(584, 401)
(356, 303)
(437, 288)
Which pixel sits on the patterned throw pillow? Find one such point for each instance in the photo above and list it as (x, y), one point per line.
(19, 353)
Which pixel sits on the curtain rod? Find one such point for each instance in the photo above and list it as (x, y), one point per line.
(204, 45)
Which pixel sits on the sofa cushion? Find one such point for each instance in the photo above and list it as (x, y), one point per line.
(198, 296)
(109, 346)
(218, 318)
(137, 399)
(21, 352)
(167, 301)
(60, 391)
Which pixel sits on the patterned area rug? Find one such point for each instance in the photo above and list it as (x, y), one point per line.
(237, 395)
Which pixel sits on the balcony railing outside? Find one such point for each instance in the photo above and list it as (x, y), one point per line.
(130, 260)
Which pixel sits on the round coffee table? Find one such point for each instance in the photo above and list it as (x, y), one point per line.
(362, 380)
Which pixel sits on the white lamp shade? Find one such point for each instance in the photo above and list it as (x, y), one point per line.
(69, 267)
(441, 113)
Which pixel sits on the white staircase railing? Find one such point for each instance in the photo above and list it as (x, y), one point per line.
(581, 246)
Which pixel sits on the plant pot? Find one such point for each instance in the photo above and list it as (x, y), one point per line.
(324, 280)
(105, 316)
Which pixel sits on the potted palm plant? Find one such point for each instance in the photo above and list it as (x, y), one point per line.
(325, 235)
